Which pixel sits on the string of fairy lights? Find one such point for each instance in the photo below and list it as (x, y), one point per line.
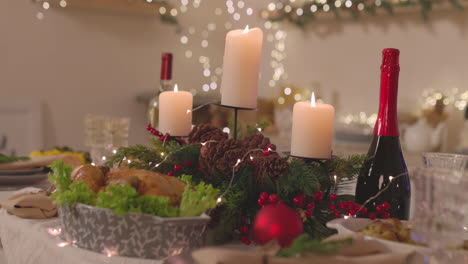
(192, 37)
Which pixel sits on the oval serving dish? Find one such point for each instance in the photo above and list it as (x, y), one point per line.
(131, 235)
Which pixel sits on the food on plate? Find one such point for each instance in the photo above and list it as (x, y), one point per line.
(390, 229)
(131, 191)
(8, 159)
(92, 176)
(150, 183)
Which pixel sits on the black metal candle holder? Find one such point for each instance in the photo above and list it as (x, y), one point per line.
(236, 110)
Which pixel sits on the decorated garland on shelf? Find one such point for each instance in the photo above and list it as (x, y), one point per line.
(303, 12)
(251, 174)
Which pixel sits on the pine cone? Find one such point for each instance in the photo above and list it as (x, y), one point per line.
(257, 141)
(220, 157)
(206, 132)
(274, 166)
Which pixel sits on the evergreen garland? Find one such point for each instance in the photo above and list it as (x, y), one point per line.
(308, 11)
(239, 205)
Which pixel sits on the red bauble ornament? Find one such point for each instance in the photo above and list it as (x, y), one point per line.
(277, 222)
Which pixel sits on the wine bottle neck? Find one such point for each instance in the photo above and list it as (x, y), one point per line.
(387, 124)
(166, 85)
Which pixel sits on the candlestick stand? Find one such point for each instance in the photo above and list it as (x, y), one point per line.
(236, 110)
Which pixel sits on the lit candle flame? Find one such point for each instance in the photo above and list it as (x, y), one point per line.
(312, 100)
(176, 88)
(246, 29)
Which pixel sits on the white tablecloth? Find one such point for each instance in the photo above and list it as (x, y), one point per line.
(27, 241)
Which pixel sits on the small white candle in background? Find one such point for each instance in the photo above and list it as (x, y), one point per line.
(312, 129)
(175, 112)
(241, 65)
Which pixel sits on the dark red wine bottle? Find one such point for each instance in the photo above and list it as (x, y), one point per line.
(386, 165)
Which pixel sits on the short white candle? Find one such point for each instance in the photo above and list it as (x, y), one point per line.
(241, 67)
(312, 129)
(175, 112)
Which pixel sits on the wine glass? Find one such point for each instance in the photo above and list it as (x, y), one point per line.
(441, 213)
(104, 135)
(445, 160)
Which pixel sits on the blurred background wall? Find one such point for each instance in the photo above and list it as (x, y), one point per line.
(79, 61)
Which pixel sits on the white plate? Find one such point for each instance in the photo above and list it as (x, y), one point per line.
(354, 225)
(21, 172)
(28, 179)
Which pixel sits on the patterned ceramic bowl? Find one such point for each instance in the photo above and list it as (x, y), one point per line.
(131, 235)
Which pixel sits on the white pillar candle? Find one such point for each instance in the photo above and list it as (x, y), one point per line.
(241, 67)
(312, 129)
(175, 112)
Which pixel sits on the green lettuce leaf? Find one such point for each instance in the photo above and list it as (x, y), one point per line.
(61, 176)
(198, 199)
(76, 193)
(123, 199)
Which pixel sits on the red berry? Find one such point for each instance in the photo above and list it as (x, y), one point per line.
(311, 205)
(265, 153)
(318, 196)
(337, 214)
(299, 200)
(372, 216)
(170, 173)
(149, 127)
(188, 163)
(178, 168)
(245, 240)
(331, 207)
(273, 198)
(386, 206)
(244, 229)
(162, 138)
(351, 205)
(343, 205)
(261, 202)
(264, 196)
(379, 208)
(386, 215)
(352, 212)
(333, 197)
(269, 148)
(308, 212)
(363, 211)
(356, 207)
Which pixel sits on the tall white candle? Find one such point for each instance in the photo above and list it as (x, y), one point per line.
(312, 129)
(175, 112)
(241, 67)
